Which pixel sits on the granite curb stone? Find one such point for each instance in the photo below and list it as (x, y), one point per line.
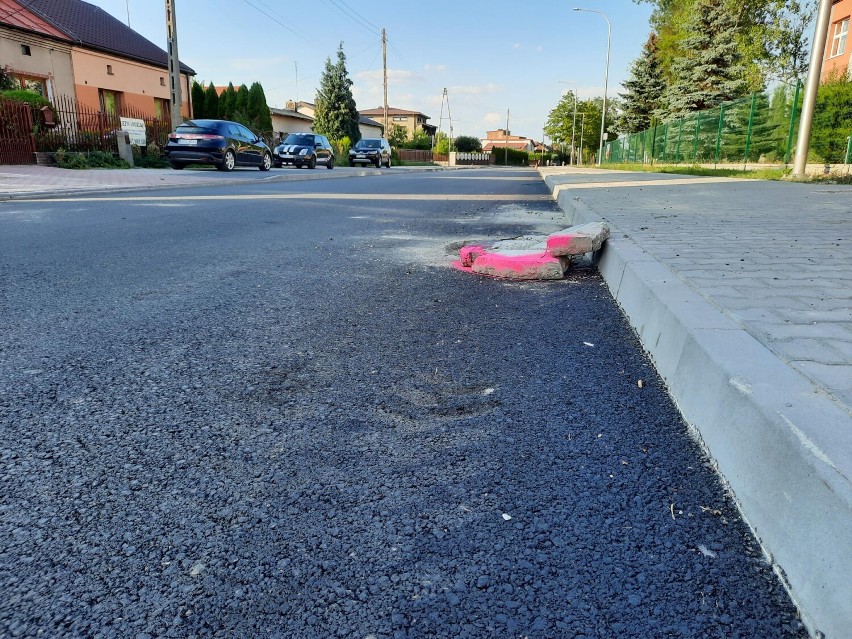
(778, 440)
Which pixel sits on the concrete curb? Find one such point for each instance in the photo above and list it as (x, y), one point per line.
(265, 179)
(779, 442)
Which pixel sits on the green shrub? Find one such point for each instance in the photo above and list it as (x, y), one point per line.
(93, 160)
(30, 97)
(66, 160)
(510, 157)
(153, 151)
(149, 161)
(136, 151)
(341, 149)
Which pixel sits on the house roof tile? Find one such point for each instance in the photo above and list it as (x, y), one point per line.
(94, 28)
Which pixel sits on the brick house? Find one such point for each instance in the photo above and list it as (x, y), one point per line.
(411, 121)
(73, 48)
(837, 59)
(501, 138)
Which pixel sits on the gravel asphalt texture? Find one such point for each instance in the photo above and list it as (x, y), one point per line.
(293, 419)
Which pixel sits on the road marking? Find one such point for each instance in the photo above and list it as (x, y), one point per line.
(380, 197)
(634, 183)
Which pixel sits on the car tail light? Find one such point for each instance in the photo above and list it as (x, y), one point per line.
(196, 136)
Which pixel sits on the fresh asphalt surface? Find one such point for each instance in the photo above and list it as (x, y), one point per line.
(290, 418)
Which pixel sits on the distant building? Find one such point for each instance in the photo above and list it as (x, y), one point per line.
(501, 139)
(73, 48)
(837, 60)
(299, 112)
(411, 121)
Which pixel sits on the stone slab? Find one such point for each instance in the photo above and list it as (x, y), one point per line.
(521, 265)
(576, 240)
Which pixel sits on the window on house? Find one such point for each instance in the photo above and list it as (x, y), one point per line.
(109, 70)
(25, 49)
(838, 41)
(399, 118)
(162, 82)
(36, 85)
(161, 109)
(110, 101)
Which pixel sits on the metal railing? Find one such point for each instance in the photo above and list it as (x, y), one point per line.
(758, 128)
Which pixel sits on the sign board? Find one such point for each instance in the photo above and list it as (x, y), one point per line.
(136, 128)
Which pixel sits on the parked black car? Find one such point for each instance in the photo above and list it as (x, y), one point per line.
(371, 151)
(305, 149)
(220, 142)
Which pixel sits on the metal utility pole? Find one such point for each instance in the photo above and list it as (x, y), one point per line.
(128, 12)
(450, 119)
(174, 64)
(385, 73)
(296, 63)
(606, 75)
(814, 70)
(506, 147)
(441, 119)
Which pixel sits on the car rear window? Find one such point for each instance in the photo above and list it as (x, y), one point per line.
(301, 140)
(192, 127)
(369, 144)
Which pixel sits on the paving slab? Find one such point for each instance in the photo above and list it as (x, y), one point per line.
(740, 291)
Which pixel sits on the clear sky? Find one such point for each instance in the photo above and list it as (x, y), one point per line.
(491, 55)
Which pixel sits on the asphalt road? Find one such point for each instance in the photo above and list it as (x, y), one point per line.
(277, 412)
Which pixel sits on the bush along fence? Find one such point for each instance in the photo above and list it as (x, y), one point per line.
(758, 128)
(510, 157)
(80, 128)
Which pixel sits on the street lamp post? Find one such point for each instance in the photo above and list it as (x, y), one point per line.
(606, 75)
(574, 123)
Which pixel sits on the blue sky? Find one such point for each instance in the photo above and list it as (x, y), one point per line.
(491, 55)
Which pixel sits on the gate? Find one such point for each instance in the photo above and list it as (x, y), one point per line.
(17, 143)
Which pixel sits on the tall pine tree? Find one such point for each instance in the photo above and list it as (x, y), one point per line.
(336, 115)
(197, 94)
(259, 110)
(241, 104)
(211, 102)
(644, 90)
(710, 70)
(227, 102)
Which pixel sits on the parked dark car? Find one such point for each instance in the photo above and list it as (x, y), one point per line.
(220, 142)
(305, 149)
(371, 151)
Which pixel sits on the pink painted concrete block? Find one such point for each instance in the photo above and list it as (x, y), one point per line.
(521, 265)
(467, 254)
(577, 240)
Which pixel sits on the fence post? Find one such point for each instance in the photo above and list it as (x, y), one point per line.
(653, 143)
(748, 135)
(679, 135)
(697, 131)
(792, 123)
(719, 134)
(666, 142)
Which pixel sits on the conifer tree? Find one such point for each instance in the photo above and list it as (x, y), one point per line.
(710, 70)
(197, 93)
(211, 102)
(227, 102)
(336, 115)
(258, 109)
(645, 88)
(241, 103)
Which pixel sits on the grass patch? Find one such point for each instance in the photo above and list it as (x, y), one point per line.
(681, 169)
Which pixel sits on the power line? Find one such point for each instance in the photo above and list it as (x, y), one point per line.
(274, 19)
(354, 15)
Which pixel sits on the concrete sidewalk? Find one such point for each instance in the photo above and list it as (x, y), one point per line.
(20, 182)
(741, 291)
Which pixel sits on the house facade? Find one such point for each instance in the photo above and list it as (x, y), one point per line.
(73, 48)
(502, 138)
(368, 128)
(411, 121)
(837, 60)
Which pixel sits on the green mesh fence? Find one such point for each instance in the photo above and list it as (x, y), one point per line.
(758, 128)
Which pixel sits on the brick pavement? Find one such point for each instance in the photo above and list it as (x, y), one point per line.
(741, 292)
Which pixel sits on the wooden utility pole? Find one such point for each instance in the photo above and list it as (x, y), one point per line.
(385, 74)
(174, 64)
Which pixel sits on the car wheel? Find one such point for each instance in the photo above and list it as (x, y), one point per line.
(266, 164)
(330, 164)
(389, 162)
(312, 163)
(228, 162)
(177, 166)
